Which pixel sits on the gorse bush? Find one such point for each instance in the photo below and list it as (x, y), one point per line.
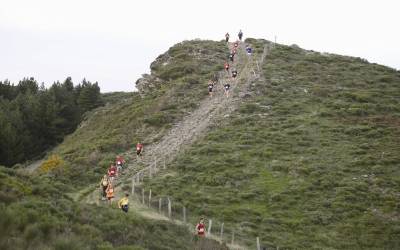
(52, 163)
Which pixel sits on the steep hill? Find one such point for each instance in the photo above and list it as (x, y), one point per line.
(39, 211)
(304, 154)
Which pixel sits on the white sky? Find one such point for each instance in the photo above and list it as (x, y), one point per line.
(114, 42)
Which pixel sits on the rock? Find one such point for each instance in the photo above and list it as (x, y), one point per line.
(146, 83)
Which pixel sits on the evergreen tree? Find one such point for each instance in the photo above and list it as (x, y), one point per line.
(89, 96)
(34, 118)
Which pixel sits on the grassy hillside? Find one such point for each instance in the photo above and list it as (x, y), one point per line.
(38, 211)
(179, 79)
(35, 214)
(310, 160)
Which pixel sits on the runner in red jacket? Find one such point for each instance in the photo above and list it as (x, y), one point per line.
(112, 172)
(201, 228)
(139, 149)
(119, 161)
(226, 66)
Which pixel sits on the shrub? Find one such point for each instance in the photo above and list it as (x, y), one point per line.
(51, 164)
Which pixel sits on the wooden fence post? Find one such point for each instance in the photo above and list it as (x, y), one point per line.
(258, 244)
(159, 205)
(133, 185)
(150, 198)
(150, 171)
(143, 196)
(169, 208)
(184, 215)
(233, 237)
(209, 227)
(164, 164)
(222, 230)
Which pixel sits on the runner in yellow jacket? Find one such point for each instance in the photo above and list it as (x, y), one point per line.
(124, 203)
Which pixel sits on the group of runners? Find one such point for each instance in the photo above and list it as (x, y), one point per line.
(231, 72)
(107, 182)
(115, 169)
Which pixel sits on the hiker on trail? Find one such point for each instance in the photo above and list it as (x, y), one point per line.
(110, 193)
(236, 44)
(124, 203)
(119, 161)
(234, 73)
(201, 228)
(112, 172)
(227, 37)
(240, 35)
(139, 149)
(226, 66)
(227, 86)
(233, 51)
(103, 186)
(231, 56)
(249, 50)
(210, 88)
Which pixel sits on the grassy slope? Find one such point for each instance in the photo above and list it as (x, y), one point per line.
(113, 129)
(310, 160)
(37, 214)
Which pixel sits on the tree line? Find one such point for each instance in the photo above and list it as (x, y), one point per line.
(34, 118)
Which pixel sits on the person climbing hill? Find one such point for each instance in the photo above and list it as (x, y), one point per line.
(240, 35)
(227, 86)
(227, 37)
(201, 228)
(119, 161)
(112, 172)
(210, 88)
(236, 44)
(123, 203)
(234, 73)
(231, 56)
(226, 66)
(249, 50)
(103, 186)
(139, 149)
(110, 193)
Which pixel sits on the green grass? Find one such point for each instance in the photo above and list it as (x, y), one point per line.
(310, 161)
(38, 211)
(36, 214)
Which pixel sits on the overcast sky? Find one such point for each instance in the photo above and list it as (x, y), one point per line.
(114, 42)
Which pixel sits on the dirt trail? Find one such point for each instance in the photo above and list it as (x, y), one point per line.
(183, 134)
